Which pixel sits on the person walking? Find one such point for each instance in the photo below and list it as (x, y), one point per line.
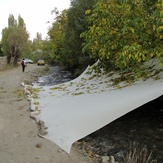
(23, 64)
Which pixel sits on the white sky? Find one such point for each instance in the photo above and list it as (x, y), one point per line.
(34, 12)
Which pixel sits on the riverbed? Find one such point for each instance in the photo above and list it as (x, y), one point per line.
(55, 75)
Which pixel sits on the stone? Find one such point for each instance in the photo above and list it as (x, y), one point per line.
(105, 159)
(112, 160)
(38, 145)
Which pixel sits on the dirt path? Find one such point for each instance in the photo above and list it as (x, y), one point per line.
(19, 142)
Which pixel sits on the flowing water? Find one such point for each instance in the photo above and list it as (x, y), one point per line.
(56, 75)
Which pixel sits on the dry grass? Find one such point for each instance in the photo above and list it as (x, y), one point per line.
(136, 154)
(20, 94)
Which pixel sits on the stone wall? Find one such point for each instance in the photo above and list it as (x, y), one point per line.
(3, 62)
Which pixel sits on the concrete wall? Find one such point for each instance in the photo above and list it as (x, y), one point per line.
(3, 62)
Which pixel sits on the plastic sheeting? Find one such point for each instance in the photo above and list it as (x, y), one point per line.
(75, 109)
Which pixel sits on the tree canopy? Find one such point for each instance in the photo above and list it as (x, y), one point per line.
(124, 33)
(14, 39)
(57, 34)
(76, 24)
(119, 33)
(65, 41)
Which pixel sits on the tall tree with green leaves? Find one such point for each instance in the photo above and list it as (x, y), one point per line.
(57, 34)
(76, 24)
(124, 33)
(37, 42)
(14, 39)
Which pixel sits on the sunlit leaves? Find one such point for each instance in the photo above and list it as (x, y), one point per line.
(123, 33)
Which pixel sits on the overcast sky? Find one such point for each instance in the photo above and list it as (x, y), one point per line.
(34, 12)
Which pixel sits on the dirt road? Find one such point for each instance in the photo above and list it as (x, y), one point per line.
(19, 142)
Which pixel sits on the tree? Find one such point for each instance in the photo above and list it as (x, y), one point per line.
(14, 39)
(76, 24)
(37, 42)
(39, 36)
(124, 33)
(65, 44)
(1, 51)
(57, 34)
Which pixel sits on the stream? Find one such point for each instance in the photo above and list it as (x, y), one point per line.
(56, 75)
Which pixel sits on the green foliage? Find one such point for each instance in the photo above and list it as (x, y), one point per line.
(76, 24)
(14, 39)
(124, 33)
(78, 93)
(56, 88)
(55, 45)
(36, 103)
(65, 45)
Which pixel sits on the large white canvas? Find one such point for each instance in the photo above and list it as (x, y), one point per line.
(75, 109)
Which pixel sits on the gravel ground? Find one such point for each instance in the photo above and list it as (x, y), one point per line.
(19, 142)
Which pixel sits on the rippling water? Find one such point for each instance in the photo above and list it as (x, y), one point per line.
(56, 75)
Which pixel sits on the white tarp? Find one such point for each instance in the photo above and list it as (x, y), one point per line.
(75, 109)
